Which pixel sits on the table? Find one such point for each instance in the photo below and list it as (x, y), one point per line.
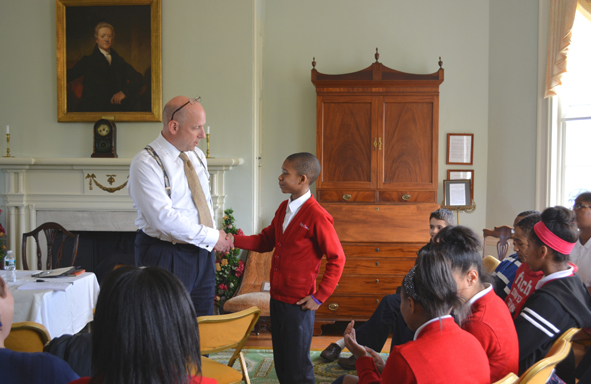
(61, 312)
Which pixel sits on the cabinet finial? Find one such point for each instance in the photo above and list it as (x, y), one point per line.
(440, 63)
(377, 55)
(314, 63)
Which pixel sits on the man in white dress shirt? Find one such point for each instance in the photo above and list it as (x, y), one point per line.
(172, 234)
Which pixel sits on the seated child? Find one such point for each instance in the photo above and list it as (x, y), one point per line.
(441, 351)
(581, 254)
(489, 319)
(301, 233)
(387, 319)
(525, 280)
(560, 300)
(504, 273)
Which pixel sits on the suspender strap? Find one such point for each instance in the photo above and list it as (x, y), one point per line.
(152, 152)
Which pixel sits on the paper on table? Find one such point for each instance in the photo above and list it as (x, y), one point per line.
(58, 272)
(55, 286)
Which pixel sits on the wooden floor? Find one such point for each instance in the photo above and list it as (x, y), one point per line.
(330, 334)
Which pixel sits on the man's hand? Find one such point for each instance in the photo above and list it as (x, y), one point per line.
(223, 245)
(308, 303)
(230, 237)
(351, 342)
(118, 98)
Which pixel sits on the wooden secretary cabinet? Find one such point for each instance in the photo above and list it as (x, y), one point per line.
(377, 142)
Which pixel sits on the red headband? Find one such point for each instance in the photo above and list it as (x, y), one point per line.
(551, 240)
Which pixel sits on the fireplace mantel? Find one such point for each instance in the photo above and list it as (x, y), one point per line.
(82, 193)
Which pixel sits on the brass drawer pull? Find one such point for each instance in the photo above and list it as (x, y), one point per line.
(346, 196)
(333, 306)
(377, 249)
(377, 263)
(380, 144)
(377, 281)
(406, 197)
(375, 143)
(377, 301)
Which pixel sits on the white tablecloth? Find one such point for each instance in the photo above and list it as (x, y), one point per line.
(61, 312)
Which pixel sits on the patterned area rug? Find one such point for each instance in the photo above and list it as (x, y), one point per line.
(262, 370)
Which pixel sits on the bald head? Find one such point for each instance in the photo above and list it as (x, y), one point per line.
(186, 130)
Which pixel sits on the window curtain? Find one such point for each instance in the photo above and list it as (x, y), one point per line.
(584, 6)
(562, 17)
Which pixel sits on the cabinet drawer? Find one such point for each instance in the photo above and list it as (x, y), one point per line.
(349, 307)
(371, 223)
(367, 284)
(378, 266)
(408, 196)
(377, 250)
(343, 195)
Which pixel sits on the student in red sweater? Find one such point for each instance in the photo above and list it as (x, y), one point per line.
(489, 319)
(301, 233)
(441, 351)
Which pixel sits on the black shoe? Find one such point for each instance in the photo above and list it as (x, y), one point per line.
(331, 353)
(348, 363)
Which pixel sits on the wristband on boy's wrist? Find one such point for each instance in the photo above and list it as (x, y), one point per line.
(316, 300)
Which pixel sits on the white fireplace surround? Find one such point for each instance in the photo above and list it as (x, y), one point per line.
(82, 194)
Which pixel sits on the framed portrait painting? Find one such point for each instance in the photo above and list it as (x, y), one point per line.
(109, 60)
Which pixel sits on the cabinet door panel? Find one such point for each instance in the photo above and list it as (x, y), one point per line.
(407, 156)
(345, 142)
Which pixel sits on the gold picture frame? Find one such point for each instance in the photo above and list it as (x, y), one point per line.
(75, 41)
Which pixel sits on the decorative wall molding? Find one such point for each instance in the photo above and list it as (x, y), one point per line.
(85, 194)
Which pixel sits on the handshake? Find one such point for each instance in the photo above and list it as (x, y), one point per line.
(225, 242)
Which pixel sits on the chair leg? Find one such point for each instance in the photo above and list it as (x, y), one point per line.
(244, 368)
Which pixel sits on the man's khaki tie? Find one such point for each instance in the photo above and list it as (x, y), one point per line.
(197, 192)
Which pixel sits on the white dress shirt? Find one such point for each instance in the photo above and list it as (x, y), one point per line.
(293, 207)
(581, 257)
(173, 218)
(106, 54)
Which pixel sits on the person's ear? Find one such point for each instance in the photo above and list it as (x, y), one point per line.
(173, 127)
(543, 252)
(303, 179)
(472, 277)
(412, 304)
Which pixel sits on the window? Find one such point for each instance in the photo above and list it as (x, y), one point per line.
(571, 158)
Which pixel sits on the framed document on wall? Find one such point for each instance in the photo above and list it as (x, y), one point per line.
(460, 148)
(462, 174)
(456, 193)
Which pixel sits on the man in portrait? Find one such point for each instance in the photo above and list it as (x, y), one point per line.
(109, 83)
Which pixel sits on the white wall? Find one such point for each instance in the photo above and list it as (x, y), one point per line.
(513, 79)
(343, 35)
(207, 51)
(488, 50)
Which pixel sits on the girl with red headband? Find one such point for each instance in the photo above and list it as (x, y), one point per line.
(560, 300)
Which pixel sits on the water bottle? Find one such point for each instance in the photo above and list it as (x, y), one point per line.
(10, 267)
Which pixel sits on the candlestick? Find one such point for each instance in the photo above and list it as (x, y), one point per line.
(208, 129)
(7, 143)
(207, 138)
(7, 129)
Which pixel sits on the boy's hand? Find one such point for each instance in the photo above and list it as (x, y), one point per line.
(223, 245)
(377, 358)
(230, 237)
(308, 303)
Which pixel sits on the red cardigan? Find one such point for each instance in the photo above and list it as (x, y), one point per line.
(194, 380)
(491, 323)
(298, 252)
(441, 354)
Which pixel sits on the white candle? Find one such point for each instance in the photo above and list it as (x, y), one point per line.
(207, 129)
(7, 130)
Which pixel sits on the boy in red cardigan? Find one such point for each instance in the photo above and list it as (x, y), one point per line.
(301, 233)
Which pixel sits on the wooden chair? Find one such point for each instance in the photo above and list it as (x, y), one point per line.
(27, 336)
(256, 271)
(502, 233)
(511, 378)
(541, 371)
(56, 235)
(222, 332)
(490, 263)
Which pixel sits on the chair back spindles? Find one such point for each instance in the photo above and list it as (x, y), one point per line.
(54, 233)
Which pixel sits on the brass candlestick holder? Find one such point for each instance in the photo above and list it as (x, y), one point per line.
(207, 152)
(8, 146)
